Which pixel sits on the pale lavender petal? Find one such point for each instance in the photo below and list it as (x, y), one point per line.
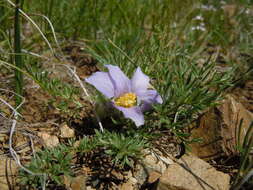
(148, 98)
(133, 113)
(145, 106)
(119, 80)
(151, 96)
(139, 82)
(102, 82)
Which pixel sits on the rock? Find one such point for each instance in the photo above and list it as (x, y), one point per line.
(192, 173)
(232, 113)
(129, 185)
(3, 137)
(78, 183)
(244, 93)
(90, 188)
(8, 168)
(141, 174)
(75, 183)
(156, 163)
(132, 180)
(153, 177)
(49, 140)
(152, 166)
(217, 128)
(66, 131)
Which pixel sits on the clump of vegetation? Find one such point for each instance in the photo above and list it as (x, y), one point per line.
(49, 166)
(125, 150)
(188, 90)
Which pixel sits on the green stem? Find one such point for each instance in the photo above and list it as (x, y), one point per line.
(17, 57)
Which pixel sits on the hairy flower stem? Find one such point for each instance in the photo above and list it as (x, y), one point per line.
(17, 56)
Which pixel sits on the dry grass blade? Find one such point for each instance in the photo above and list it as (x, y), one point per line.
(36, 26)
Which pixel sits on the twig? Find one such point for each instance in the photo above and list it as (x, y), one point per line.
(15, 112)
(32, 146)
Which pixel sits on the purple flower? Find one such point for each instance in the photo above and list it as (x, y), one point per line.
(132, 97)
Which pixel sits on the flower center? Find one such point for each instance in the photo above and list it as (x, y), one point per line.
(126, 100)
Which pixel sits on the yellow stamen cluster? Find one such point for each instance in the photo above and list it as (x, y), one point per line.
(126, 100)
